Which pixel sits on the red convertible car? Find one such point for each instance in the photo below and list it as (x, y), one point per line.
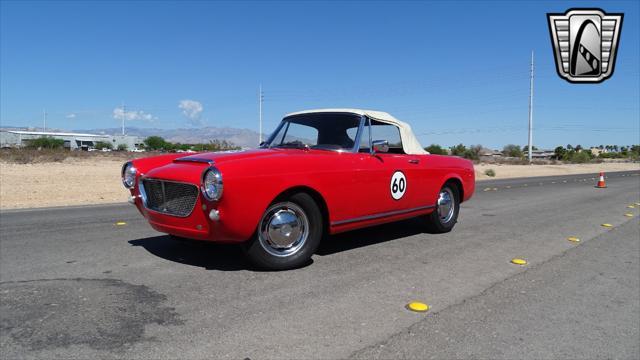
(320, 172)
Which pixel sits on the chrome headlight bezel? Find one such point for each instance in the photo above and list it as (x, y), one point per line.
(128, 174)
(211, 184)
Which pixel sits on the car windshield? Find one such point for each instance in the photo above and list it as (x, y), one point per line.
(325, 131)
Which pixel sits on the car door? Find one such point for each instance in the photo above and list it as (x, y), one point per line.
(386, 182)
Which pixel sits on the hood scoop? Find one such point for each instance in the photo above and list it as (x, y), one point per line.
(194, 159)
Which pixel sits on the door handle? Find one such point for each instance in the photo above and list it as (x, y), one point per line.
(414, 161)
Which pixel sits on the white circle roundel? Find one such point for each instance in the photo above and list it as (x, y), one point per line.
(398, 185)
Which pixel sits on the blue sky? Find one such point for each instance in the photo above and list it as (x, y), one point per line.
(457, 72)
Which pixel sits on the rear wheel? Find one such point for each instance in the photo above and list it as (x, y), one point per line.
(445, 215)
(288, 234)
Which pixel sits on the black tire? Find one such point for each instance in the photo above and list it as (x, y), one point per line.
(436, 224)
(262, 255)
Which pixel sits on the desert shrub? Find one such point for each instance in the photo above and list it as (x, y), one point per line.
(512, 150)
(436, 149)
(31, 155)
(45, 142)
(580, 157)
(490, 172)
(103, 144)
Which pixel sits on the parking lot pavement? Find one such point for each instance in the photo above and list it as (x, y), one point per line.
(98, 282)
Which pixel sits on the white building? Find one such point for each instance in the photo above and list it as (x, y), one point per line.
(72, 141)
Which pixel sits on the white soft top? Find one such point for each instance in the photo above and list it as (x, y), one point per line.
(410, 143)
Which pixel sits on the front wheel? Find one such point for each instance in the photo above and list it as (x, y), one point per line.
(288, 234)
(445, 215)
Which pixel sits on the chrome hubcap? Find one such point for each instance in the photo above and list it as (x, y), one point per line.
(446, 205)
(284, 229)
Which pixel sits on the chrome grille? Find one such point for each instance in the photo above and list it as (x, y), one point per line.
(168, 197)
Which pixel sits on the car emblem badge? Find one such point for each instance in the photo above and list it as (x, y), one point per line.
(585, 43)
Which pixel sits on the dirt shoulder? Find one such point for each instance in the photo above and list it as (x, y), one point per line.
(517, 171)
(71, 182)
(84, 181)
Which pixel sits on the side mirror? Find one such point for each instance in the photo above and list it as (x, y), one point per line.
(380, 146)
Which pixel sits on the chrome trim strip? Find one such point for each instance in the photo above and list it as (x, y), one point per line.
(143, 196)
(195, 160)
(381, 215)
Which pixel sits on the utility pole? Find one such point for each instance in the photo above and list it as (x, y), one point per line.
(124, 115)
(531, 109)
(44, 120)
(260, 100)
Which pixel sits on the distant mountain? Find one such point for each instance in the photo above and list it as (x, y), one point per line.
(239, 137)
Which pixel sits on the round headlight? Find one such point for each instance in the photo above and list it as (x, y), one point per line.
(212, 184)
(128, 175)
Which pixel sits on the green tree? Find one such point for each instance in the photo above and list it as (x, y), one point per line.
(473, 152)
(512, 150)
(156, 143)
(458, 150)
(559, 153)
(436, 149)
(123, 147)
(183, 147)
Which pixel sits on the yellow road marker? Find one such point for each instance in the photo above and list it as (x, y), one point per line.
(637, 204)
(628, 215)
(417, 306)
(631, 206)
(121, 223)
(573, 239)
(487, 189)
(518, 261)
(495, 189)
(607, 225)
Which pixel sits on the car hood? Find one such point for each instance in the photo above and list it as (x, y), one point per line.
(221, 157)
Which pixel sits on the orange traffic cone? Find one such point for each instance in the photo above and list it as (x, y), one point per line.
(601, 184)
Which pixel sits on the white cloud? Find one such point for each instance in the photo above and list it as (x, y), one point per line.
(71, 116)
(192, 110)
(120, 113)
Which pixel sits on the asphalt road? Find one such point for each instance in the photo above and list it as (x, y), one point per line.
(73, 284)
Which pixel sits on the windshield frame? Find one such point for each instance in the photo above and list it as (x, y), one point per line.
(286, 122)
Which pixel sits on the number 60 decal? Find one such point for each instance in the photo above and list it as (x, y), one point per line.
(398, 185)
